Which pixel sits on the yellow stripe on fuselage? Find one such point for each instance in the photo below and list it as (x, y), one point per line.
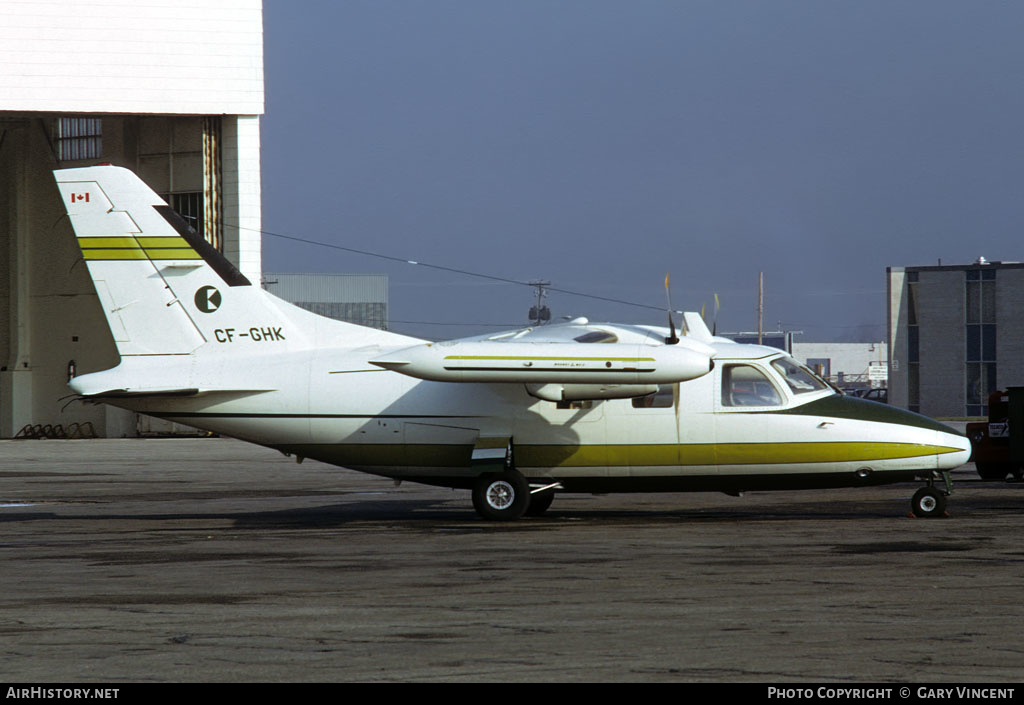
(624, 456)
(547, 357)
(719, 454)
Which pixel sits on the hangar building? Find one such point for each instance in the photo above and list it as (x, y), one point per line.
(955, 336)
(172, 89)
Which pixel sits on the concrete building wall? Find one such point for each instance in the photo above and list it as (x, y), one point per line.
(52, 315)
(940, 314)
(897, 327)
(242, 195)
(932, 305)
(1010, 328)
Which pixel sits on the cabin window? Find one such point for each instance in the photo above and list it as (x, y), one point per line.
(745, 385)
(799, 379)
(661, 399)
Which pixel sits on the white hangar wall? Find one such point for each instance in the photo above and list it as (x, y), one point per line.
(132, 56)
(172, 90)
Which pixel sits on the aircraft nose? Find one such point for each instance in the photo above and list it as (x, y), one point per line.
(959, 453)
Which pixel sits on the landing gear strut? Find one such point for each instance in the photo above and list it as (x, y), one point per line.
(929, 502)
(539, 502)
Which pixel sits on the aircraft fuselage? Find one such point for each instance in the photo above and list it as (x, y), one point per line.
(343, 411)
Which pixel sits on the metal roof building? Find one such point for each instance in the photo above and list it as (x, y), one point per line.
(356, 298)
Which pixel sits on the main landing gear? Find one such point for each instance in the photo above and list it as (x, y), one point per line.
(507, 496)
(929, 502)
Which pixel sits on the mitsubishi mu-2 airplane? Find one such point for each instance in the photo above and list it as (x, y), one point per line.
(516, 417)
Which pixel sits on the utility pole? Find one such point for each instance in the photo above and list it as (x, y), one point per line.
(540, 314)
(760, 309)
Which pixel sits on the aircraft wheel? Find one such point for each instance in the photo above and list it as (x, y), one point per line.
(501, 496)
(928, 503)
(539, 503)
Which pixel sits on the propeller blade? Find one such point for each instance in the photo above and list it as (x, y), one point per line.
(714, 322)
(672, 339)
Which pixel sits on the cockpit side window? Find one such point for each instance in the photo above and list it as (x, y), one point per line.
(745, 385)
(799, 378)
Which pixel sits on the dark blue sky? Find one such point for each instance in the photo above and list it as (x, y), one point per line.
(601, 144)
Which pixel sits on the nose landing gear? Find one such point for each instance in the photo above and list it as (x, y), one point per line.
(929, 502)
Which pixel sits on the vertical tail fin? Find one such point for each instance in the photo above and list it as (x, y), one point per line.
(166, 291)
(139, 260)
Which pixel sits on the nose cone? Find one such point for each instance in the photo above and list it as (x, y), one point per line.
(916, 442)
(959, 453)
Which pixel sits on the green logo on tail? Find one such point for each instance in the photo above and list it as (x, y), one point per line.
(207, 299)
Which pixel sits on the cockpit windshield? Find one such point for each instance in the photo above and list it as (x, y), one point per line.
(800, 379)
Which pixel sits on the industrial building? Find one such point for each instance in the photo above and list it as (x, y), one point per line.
(781, 339)
(955, 335)
(849, 366)
(172, 89)
(356, 298)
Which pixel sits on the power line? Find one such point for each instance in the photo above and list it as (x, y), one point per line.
(439, 267)
(445, 323)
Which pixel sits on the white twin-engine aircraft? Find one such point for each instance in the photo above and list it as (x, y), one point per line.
(516, 417)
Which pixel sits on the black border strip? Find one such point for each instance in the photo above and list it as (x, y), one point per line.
(220, 264)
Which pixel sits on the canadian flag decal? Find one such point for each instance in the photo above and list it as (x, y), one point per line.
(75, 197)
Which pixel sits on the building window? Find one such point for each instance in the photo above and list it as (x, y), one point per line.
(980, 319)
(189, 206)
(79, 138)
(914, 387)
(913, 345)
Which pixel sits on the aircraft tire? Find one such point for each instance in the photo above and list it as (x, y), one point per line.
(539, 503)
(928, 503)
(503, 496)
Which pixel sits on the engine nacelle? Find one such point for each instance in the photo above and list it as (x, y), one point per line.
(588, 392)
